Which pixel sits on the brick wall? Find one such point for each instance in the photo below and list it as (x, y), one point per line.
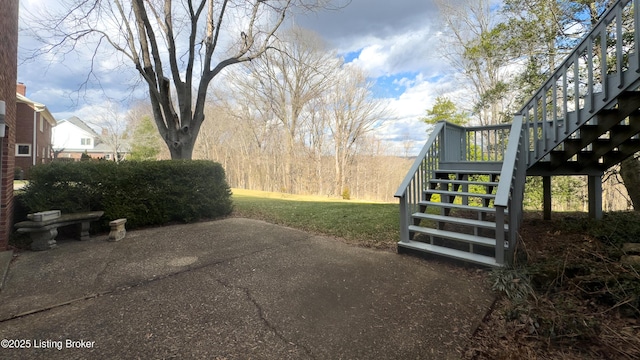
(24, 135)
(8, 78)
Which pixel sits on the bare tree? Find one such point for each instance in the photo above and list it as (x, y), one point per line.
(113, 125)
(354, 112)
(316, 140)
(285, 82)
(177, 47)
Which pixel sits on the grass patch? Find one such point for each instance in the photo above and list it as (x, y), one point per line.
(19, 184)
(367, 224)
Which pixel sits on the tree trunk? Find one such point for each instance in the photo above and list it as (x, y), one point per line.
(182, 149)
(630, 173)
(338, 184)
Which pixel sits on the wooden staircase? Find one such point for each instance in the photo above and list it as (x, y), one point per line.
(462, 198)
(454, 221)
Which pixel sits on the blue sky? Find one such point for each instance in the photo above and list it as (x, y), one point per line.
(396, 42)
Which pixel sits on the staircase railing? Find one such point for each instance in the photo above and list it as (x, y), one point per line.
(603, 65)
(510, 192)
(410, 191)
(447, 143)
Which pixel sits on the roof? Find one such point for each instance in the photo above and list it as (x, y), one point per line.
(80, 124)
(41, 108)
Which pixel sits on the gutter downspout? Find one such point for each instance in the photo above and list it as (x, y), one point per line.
(35, 131)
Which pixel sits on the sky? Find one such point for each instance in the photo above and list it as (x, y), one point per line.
(396, 42)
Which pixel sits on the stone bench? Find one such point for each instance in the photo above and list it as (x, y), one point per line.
(118, 231)
(43, 227)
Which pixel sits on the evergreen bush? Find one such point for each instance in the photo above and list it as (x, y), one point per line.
(146, 192)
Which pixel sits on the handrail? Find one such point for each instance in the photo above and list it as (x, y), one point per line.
(410, 191)
(602, 66)
(606, 17)
(487, 127)
(402, 189)
(509, 192)
(508, 164)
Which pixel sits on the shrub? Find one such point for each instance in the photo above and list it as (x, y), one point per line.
(614, 229)
(146, 192)
(346, 194)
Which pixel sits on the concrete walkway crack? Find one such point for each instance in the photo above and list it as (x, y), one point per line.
(98, 279)
(124, 287)
(264, 320)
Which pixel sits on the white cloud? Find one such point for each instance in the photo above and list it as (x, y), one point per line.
(407, 110)
(411, 51)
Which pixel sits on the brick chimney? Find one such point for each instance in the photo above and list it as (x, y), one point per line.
(21, 89)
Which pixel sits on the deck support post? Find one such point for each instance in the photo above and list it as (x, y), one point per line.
(546, 197)
(595, 196)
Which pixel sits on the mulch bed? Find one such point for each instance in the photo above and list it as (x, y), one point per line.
(581, 302)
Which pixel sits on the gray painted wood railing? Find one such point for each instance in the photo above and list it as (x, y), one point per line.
(588, 80)
(510, 192)
(447, 143)
(410, 190)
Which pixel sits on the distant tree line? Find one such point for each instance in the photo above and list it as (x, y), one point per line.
(297, 120)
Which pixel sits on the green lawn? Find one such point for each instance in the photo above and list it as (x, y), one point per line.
(19, 184)
(363, 223)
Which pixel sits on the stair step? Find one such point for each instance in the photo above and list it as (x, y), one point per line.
(460, 206)
(468, 238)
(463, 182)
(472, 167)
(460, 193)
(452, 253)
(468, 172)
(459, 221)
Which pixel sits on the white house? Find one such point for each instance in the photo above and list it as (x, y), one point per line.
(72, 138)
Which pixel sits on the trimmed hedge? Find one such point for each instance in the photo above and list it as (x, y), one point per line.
(146, 192)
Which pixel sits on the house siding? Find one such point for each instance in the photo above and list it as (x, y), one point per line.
(67, 137)
(67, 142)
(8, 78)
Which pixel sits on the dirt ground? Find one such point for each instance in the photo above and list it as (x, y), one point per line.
(568, 296)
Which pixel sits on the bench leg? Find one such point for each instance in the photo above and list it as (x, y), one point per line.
(84, 231)
(43, 240)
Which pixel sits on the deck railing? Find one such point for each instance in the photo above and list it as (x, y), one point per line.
(475, 143)
(603, 65)
(410, 191)
(510, 193)
(487, 143)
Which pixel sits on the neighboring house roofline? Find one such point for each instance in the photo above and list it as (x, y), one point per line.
(74, 120)
(41, 108)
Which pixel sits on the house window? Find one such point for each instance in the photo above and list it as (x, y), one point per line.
(23, 149)
(85, 141)
(41, 124)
